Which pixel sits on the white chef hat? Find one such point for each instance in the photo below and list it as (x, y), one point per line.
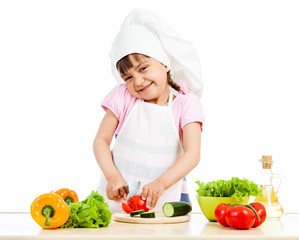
(143, 32)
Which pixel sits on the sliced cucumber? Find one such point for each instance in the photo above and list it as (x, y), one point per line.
(148, 215)
(134, 213)
(172, 209)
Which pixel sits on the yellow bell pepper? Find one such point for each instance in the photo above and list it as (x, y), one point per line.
(69, 196)
(49, 211)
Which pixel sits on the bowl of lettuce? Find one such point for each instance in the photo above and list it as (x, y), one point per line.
(233, 191)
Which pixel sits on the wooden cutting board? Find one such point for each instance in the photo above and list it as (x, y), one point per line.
(159, 219)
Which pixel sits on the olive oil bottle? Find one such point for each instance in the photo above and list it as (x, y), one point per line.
(269, 198)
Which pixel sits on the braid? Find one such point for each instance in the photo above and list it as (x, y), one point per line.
(172, 83)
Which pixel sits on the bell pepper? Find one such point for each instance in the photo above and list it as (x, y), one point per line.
(49, 211)
(126, 208)
(69, 196)
(137, 203)
(134, 203)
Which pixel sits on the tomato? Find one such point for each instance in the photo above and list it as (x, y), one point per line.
(261, 211)
(126, 208)
(220, 212)
(137, 203)
(240, 217)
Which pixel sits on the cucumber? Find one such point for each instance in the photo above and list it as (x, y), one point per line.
(148, 215)
(134, 213)
(172, 209)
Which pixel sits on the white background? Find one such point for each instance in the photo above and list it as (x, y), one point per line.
(55, 70)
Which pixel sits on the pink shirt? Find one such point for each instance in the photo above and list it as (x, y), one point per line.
(186, 108)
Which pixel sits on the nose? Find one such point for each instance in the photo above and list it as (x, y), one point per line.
(138, 80)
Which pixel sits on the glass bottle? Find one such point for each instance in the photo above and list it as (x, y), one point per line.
(269, 198)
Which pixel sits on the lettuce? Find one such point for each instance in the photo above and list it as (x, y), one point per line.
(92, 212)
(236, 188)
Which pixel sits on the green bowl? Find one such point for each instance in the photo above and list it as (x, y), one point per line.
(209, 204)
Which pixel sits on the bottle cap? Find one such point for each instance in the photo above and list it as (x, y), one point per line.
(266, 161)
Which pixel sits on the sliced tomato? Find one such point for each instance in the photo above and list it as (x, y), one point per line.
(126, 208)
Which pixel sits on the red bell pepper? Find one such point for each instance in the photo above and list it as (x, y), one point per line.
(137, 203)
(126, 208)
(134, 203)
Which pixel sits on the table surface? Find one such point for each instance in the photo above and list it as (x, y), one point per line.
(22, 226)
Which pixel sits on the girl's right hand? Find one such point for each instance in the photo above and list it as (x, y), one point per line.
(112, 188)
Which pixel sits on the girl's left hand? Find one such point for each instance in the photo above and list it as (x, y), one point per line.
(151, 192)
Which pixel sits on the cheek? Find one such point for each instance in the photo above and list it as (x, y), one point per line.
(131, 89)
(159, 77)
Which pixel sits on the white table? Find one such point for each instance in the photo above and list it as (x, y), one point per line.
(22, 226)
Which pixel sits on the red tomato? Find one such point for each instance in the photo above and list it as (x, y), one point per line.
(137, 203)
(220, 213)
(261, 211)
(126, 208)
(240, 217)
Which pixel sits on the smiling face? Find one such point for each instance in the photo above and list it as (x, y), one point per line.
(146, 78)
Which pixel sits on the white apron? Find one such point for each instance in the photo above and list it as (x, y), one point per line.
(147, 145)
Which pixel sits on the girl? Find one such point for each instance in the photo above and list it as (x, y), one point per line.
(157, 122)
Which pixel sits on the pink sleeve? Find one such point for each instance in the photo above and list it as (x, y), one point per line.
(114, 100)
(191, 110)
(120, 102)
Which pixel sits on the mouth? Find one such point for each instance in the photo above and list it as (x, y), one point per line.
(145, 88)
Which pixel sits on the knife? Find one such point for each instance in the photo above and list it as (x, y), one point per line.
(130, 190)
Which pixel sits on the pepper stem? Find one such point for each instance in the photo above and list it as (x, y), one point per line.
(48, 212)
(68, 200)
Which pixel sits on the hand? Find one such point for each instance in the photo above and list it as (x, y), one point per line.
(151, 192)
(112, 188)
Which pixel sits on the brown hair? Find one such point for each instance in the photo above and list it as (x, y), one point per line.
(125, 64)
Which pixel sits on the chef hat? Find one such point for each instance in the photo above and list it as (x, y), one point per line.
(143, 32)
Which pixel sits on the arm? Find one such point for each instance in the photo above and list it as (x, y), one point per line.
(103, 155)
(189, 160)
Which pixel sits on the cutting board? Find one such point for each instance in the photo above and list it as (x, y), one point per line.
(159, 219)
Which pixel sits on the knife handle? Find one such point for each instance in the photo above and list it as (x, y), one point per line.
(123, 190)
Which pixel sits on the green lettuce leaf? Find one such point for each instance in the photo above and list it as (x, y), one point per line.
(92, 212)
(236, 188)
